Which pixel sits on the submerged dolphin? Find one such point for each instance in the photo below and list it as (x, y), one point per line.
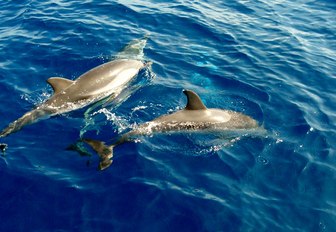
(106, 80)
(194, 117)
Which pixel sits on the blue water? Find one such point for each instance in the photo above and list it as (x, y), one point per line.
(272, 60)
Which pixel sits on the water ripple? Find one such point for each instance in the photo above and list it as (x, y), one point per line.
(272, 60)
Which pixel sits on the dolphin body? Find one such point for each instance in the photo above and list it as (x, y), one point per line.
(106, 80)
(194, 117)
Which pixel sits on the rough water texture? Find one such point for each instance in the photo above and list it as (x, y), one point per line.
(271, 60)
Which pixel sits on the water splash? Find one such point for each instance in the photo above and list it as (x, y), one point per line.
(37, 97)
(121, 123)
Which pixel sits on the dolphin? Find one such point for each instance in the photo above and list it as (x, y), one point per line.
(194, 117)
(106, 80)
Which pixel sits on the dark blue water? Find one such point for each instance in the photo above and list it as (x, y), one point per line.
(272, 60)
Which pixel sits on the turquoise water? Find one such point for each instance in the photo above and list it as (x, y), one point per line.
(272, 60)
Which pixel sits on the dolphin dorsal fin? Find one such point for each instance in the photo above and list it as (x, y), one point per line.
(194, 101)
(59, 83)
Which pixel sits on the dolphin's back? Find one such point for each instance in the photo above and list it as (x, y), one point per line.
(197, 120)
(98, 83)
(108, 72)
(196, 117)
(207, 115)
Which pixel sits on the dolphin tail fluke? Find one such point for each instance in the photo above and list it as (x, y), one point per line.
(26, 119)
(104, 152)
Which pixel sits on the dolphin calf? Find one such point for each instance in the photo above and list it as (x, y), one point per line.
(106, 80)
(194, 117)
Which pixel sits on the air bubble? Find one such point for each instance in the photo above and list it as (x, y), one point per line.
(322, 226)
(279, 141)
(262, 160)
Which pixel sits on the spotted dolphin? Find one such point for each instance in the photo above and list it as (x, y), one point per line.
(106, 80)
(194, 117)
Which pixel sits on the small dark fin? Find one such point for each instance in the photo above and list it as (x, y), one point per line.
(78, 147)
(194, 101)
(104, 152)
(3, 147)
(58, 83)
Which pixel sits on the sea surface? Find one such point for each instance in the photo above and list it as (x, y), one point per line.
(272, 60)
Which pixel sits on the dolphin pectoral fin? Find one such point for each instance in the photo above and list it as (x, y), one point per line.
(78, 147)
(194, 101)
(104, 152)
(110, 99)
(59, 83)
